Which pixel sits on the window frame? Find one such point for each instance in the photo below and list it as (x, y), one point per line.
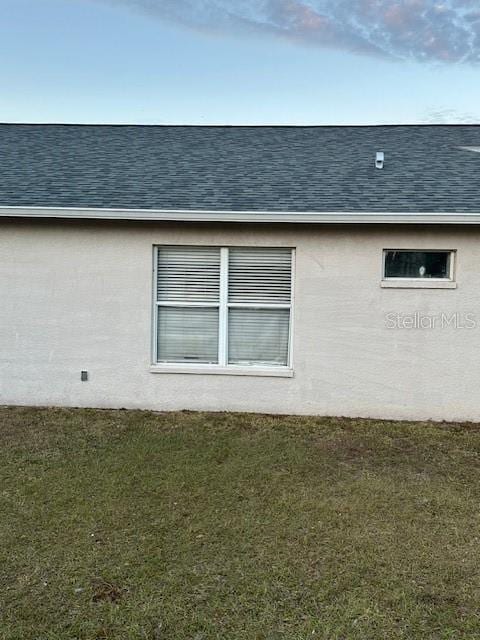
(420, 283)
(223, 367)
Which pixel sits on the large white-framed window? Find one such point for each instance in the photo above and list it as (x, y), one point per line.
(419, 268)
(223, 309)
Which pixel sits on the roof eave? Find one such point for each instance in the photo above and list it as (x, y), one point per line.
(292, 217)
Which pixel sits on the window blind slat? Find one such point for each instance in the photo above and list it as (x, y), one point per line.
(188, 274)
(258, 336)
(257, 275)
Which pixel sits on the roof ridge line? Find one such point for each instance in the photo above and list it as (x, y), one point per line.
(241, 126)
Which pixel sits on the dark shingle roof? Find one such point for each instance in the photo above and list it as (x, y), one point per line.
(241, 168)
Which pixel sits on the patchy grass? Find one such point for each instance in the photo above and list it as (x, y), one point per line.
(125, 525)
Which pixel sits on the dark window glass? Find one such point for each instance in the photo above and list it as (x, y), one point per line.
(417, 264)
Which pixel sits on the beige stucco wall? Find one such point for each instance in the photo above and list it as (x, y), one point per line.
(78, 296)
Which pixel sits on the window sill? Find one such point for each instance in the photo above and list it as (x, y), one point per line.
(212, 369)
(418, 284)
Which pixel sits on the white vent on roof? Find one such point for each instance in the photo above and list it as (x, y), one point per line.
(474, 149)
(379, 160)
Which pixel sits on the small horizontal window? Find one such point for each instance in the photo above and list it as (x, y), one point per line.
(418, 265)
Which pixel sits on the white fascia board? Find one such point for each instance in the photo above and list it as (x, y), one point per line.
(312, 217)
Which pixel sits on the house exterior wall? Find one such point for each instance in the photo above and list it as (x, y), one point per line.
(78, 295)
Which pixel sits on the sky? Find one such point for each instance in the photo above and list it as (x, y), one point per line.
(240, 61)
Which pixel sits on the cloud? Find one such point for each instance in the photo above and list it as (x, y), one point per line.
(422, 30)
(450, 116)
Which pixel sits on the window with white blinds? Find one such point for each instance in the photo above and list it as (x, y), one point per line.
(223, 306)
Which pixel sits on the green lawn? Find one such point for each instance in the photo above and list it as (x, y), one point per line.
(126, 525)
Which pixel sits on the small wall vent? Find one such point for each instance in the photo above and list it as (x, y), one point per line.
(379, 160)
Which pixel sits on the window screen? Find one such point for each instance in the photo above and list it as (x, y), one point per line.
(188, 300)
(259, 296)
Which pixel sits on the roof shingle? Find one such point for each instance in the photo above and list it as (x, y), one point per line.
(241, 168)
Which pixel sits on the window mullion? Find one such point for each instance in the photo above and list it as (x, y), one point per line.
(223, 311)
